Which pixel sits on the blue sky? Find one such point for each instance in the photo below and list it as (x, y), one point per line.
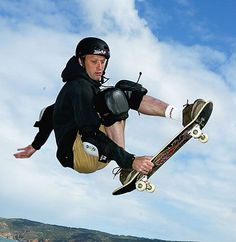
(191, 22)
(185, 50)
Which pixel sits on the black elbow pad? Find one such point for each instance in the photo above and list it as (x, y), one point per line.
(133, 91)
(112, 105)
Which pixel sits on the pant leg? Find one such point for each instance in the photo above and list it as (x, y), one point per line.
(83, 162)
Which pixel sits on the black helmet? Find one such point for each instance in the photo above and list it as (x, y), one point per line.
(92, 46)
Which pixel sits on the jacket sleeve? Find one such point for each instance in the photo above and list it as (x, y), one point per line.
(107, 149)
(45, 125)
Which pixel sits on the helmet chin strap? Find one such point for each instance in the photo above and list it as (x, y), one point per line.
(81, 62)
(104, 79)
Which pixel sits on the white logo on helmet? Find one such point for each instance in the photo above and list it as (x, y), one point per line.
(99, 52)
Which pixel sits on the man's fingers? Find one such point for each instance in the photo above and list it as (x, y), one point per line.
(21, 155)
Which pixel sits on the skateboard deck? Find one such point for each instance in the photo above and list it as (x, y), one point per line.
(193, 129)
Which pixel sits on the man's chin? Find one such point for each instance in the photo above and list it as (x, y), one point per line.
(97, 78)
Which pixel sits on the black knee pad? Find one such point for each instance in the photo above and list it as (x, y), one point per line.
(133, 91)
(112, 105)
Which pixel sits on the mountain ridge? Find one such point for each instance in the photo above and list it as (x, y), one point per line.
(31, 231)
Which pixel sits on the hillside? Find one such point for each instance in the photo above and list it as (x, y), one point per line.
(30, 231)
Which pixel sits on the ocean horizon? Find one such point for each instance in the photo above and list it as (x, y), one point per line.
(6, 240)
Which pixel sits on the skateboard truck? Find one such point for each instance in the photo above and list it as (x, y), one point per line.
(144, 184)
(196, 132)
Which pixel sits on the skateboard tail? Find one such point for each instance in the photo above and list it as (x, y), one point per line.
(130, 187)
(204, 115)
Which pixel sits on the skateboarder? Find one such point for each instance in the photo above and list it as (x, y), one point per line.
(89, 122)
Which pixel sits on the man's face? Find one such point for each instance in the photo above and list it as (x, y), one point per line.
(94, 65)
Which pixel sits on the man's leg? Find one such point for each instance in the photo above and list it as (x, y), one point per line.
(153, 106)
(116, 132)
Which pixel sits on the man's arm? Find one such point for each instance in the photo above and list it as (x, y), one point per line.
(45, 125)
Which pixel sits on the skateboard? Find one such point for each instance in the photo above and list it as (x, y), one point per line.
(140, 181)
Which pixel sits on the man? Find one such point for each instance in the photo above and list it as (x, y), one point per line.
(89, 122)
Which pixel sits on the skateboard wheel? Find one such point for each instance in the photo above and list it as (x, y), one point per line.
(150, 187)
(141, 186)
(203, 138)
(196, 132)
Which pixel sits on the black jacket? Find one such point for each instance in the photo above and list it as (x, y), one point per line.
(74, 112)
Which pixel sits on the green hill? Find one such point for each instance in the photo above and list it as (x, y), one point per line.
(30, 231)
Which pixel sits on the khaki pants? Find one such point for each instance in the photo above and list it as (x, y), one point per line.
(83, 162)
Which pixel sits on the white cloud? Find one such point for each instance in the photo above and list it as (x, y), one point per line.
(229, 71)
(108, 16)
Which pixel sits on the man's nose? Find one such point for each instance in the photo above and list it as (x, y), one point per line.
(99, 65)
